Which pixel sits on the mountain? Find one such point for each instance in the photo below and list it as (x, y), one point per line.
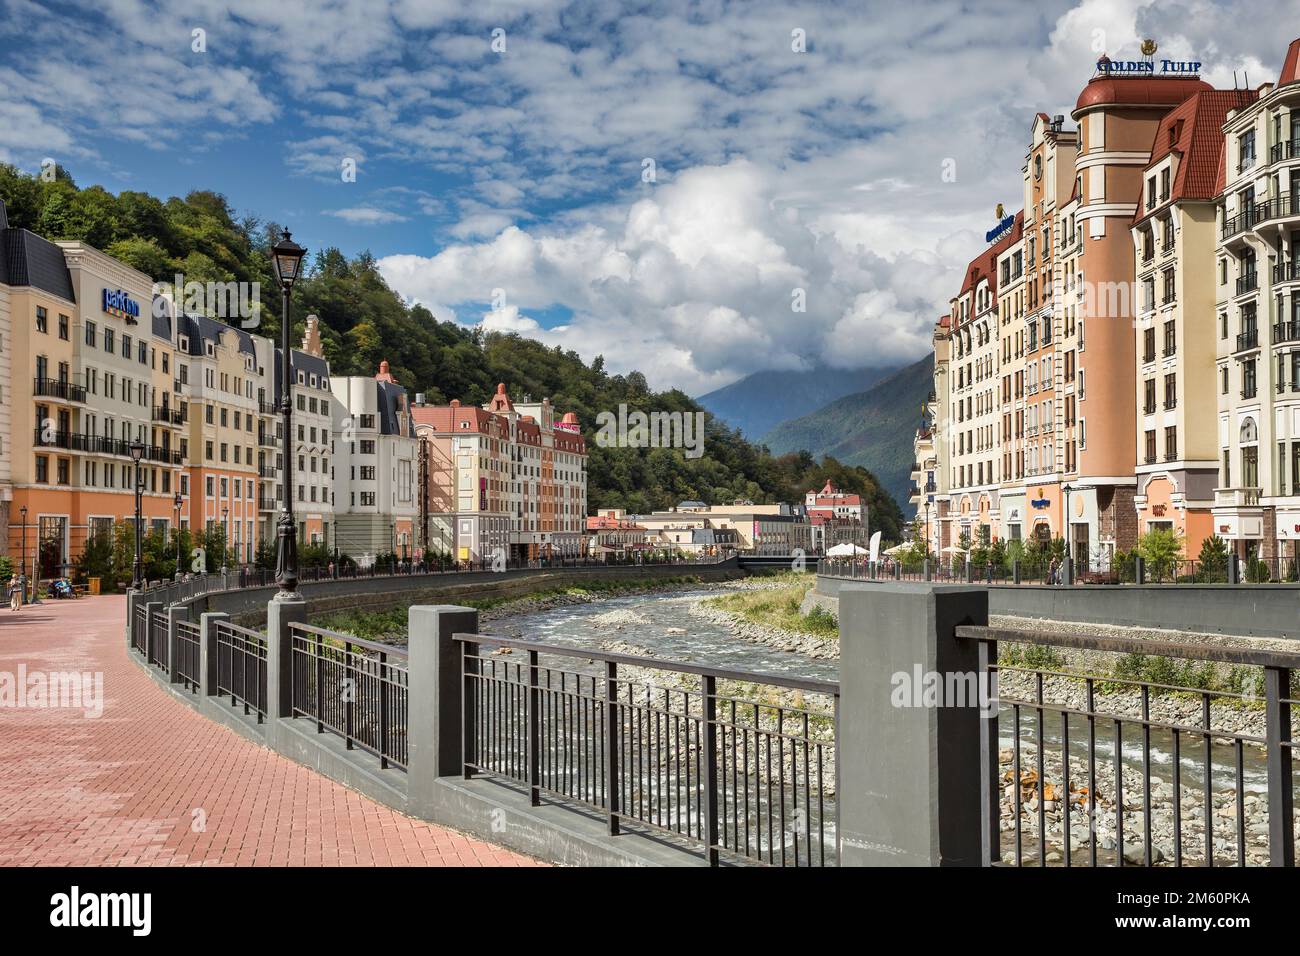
(873, 428)
(759, 402)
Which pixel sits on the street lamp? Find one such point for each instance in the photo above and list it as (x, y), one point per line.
(286, 257)
(23, 512)
(1068, 563)
(225, 537)
(137, 452)
(178, 501)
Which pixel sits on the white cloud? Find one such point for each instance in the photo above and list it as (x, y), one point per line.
(366, 215)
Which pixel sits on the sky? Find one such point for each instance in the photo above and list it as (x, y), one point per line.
(695, 190)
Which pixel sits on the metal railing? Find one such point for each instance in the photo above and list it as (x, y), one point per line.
(734, 763)
(1121, 569)
(241, 667)
(351, 688)
(1089, 769)
(188, 651)
(140, 629)
(158, 651)
(58, 388)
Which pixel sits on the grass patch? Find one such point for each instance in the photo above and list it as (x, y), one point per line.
(779, 607)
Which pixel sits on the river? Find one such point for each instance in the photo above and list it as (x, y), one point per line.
(663, 625)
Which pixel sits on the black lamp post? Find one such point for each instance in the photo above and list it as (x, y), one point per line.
(225, 537)
(23, 512)
(286, 261)
(137, 453)
(178, 501)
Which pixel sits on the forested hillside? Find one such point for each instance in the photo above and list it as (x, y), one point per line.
(365, 321)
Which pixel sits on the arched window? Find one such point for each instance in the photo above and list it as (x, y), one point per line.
(1249, 432)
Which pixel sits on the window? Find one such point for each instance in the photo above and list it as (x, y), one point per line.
(42, 320)
(42, 469)
(1248, 379)
(1151, 446)
(1149, 387)
(64, 328)
(90, 334)
(1171, 443)
(109, 335)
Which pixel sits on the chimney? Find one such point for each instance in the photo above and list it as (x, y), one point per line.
(311, 337)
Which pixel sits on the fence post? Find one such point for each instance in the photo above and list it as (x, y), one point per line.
(612, 805)
(925, 568)
(709, 704)
(1281, 836)
(208, 651)
(1067, 570)
(898, 570)
(436, 698)
(534, 737)
(279, 657)
(1234, 568)
(175, 613)
(990, 807)
(1015, 570)
(912, 781)
(969, 570)
(1139, 570)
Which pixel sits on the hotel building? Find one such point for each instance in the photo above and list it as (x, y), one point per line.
(84, 360)
(1257, 499)
(511, 479)
(1178, 386)
(219, 379)
(375, 462)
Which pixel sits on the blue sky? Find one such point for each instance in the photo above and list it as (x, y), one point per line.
(793, 146)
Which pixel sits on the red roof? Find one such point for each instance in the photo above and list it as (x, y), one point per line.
(1291, 65)
(985, 265)
(1136, 91)
(1194, 131)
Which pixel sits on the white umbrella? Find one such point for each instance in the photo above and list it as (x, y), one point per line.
(953, 549)
(845, 550)
(897, 548)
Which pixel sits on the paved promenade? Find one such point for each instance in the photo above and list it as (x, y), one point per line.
(152, 783)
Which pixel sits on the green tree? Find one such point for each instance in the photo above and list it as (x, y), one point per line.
(1212, 563)
(1160, 549)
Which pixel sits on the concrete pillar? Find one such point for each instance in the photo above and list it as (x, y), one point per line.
(910, 774)
(1234, 568)
(925, 567)
(132, 596)
(208, 651)
(175, 612)
(1139, 570)
(1067, 570)
(1015, 571)
(279, 656)
(436, 694)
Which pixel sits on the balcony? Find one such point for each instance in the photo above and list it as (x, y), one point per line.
(1285, 332)
(1247, 283)
(1286, 272)
(1240, 223)
(266, 503)
(1287, 149)
(1236, 497)
(1171, 404)
(1149, 408)
(58, 388)
(1248, 340)
(1279, 208)
(266, 441)
(267, 408)
(1247, 393)
(267, 471)
(170, 416)
(1148, 356)
(1150, 459)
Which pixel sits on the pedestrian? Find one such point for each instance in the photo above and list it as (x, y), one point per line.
(1053, 572)
(15, 592)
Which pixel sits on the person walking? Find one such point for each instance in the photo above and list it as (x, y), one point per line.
(15, 592)
(1054, 572)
